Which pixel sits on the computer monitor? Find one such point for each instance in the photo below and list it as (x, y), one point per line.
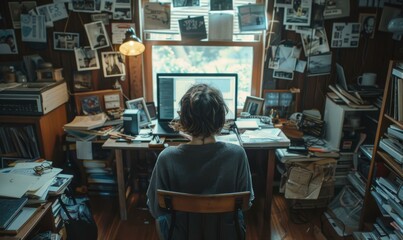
(172, 86)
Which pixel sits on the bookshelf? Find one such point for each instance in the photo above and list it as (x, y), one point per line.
(383, 165)
(47, 132)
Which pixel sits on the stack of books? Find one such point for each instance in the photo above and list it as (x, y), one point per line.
(392, 143)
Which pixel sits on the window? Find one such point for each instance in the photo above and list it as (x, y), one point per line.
(166, 53)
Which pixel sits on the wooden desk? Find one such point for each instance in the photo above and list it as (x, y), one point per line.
(118, 147)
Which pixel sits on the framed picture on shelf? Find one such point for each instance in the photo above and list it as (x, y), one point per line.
(140, 105)
(281, 103)
(253, 105)
(91, 105)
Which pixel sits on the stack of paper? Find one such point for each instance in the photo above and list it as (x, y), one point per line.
(267, 137)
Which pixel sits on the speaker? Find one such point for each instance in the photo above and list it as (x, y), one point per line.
(131, 120)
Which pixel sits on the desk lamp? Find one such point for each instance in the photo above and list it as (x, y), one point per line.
(131, 45)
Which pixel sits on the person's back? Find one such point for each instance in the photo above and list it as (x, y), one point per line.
(203, 166)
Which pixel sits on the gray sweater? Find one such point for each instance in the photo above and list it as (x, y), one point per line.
(200, 169)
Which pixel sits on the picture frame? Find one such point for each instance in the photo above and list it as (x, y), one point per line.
(86, 58)
(152, 110)
(140, 104)
(113, 65)
(253, 105)
(8, 42)
(16, 8)
(299, 14)
(286, 75)
(66, 41)
(97, 35)
(82, 81)
(282, 101)
(368, 24)
(252, 17)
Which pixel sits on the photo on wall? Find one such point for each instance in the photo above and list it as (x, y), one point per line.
(66, 41)
(86, 58)
(252, 17)
(113, 65)
(8, 44)
(97, 35)
(82, 81)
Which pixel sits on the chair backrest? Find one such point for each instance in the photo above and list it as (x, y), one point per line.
(203, 203)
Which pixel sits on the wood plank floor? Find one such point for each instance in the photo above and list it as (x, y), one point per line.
(285, 223)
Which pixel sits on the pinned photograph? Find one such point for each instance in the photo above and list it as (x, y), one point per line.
(83, 6)
(140, 105)
(368, 21)
(97, 35)
(252, 17)
(345, 35)
(299, 14)
(8, 44)
(283, 75)
(17, 8)
(319, 64)
(220, 5)
(66, 41)
(192, 28)
(316, 42)
(283, 3)
(157, 16)
(86, 58)
(113, 65)
(185, 3)
(82, 81)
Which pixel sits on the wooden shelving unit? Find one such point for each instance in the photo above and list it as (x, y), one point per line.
(382, 164)
(48, 129)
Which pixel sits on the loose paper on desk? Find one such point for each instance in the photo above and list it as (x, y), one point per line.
(28, 170)
(14, 185)
(84, 149)
(264, 138)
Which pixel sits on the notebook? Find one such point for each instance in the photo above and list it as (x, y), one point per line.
(9, 208)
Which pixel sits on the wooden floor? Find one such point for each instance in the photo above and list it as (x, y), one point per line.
(285, 223)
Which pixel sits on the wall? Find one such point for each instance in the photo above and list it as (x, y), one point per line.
(372, 55)
(66, 59)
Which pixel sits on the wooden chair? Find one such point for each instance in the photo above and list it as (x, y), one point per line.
(203, 204)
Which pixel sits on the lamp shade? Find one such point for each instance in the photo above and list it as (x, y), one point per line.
(131, 45)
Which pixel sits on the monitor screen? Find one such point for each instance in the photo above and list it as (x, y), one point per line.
(172, 86)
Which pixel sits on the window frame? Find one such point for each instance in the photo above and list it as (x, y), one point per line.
(257, 71)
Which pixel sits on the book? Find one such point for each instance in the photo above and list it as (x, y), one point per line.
(395, 131)
(386, 145)
(9, 208)
(59, 184)
(348, 101)
(19, 221)
(87, 122)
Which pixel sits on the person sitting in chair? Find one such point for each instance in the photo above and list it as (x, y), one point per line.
(202, 165)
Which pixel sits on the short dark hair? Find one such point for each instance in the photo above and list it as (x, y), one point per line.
(202, 111)
(100, 37)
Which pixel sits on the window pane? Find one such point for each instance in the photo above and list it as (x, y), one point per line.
(205, 59)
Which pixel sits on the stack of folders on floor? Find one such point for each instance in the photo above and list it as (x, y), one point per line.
(392, 143)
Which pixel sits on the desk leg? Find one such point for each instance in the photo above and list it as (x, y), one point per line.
(269, 191)
(121, 184)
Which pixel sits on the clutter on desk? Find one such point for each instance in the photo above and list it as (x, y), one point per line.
(23, 191)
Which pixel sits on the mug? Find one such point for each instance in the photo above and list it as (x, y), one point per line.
(367, 79)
